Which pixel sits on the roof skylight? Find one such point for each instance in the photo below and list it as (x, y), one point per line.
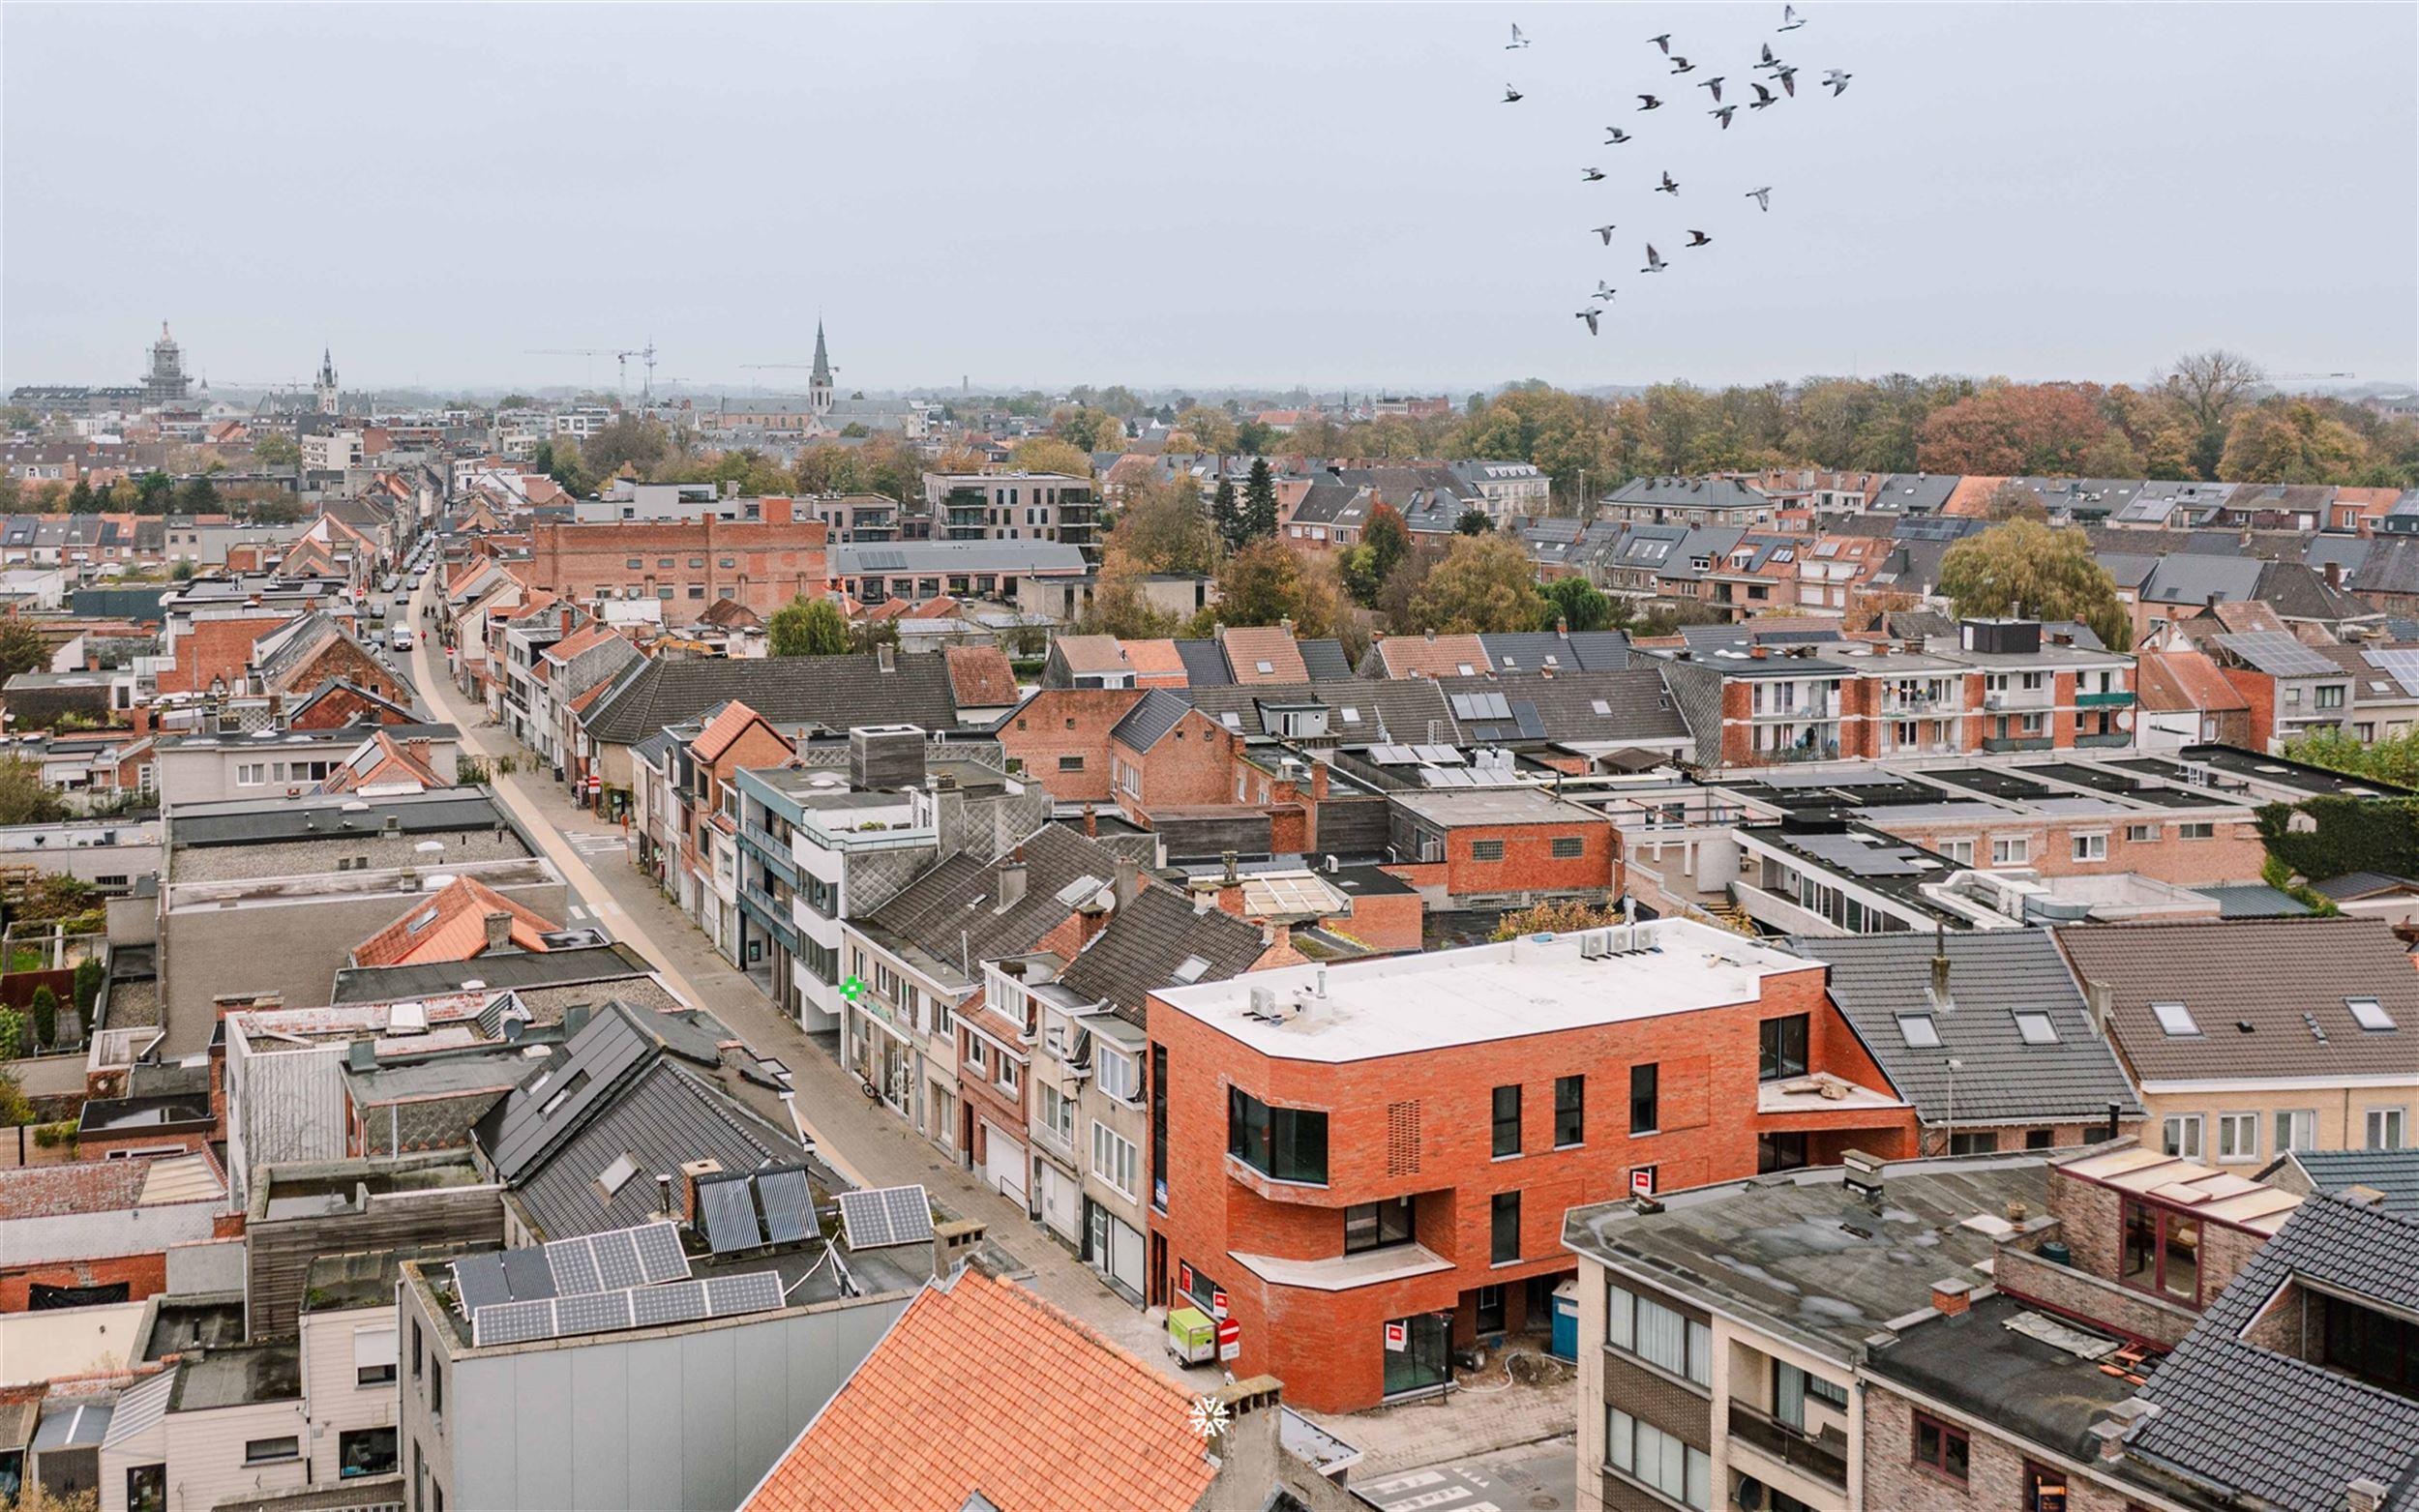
(2174, 1017)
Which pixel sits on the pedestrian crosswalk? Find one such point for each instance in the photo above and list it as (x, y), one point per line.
(1429, 1491)
(595, 842)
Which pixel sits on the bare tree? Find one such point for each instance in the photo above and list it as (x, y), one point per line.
(2209, 387)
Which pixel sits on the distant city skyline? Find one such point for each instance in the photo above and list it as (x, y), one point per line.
(1327, 196)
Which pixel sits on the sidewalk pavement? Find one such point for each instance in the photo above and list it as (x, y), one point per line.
(870, 1146)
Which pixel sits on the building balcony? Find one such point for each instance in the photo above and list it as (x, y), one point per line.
(1820, 709)
(2019, 698)
(2117, 699)
(2115, 740)
(1814, 751)
(2004, 743)
(1824, 1459)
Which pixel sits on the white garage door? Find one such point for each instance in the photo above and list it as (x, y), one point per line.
(1125, 1255)
(1003, 1163)
(1061, 1202)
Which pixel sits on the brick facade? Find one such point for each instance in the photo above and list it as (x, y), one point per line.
(1421, 1125)
(761, 564)
(1063, 725)
(145, 1276)
(1995, 1475)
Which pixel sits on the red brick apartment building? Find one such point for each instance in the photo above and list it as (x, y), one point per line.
(1371, 1162)
(688, 566)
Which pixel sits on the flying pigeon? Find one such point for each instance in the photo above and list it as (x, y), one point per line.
(1714, 84)
(1606, 232)
(1788, 77)
(1517, 40)
(1838, 82)
(1768, 61)
(1763, 97)
(1592, 175)
(1671, 186)
(1588, 315)
(1699, 239)
(1725, 112)
(1605, 291)
(1512, 96)
(1763, 199)
(1664, 41)
(1790, 20)
(1679, 64)
(1617, 137)
(1653, 260)
(1649, 102)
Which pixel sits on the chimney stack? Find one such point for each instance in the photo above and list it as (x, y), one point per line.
(500, 930)
(953, 1243)
(2335, 574)
(1248, 1449)
(1092, 822)
(691, 1171)
(2364, 1495)
(1951, 1298)
(1941, 999)
(1013, 881)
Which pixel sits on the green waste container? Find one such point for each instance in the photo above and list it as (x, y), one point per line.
(1192, 1337)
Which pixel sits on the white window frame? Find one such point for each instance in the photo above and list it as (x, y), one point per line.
(1114, 1159)
(2196, 1125)
(1960, 851)
(2385, 1128)
(2010, 850)
(2091, 847)
(2140, 834)
(2296, 1129)
(1125, 1081)
(2238, 1137)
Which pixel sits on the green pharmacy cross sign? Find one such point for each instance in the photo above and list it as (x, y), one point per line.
(852, 989)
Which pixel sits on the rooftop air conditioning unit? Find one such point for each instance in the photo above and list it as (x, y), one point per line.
(1595, 944)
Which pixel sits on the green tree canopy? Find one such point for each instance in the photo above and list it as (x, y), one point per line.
(808, 627)
(1268, 581)
(2025, 568)
(1260, 503)
(276, 449)
(22, 647)
(1486, 584)
(1576, 603)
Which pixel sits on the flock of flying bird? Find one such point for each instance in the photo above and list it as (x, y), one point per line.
(1782, 73)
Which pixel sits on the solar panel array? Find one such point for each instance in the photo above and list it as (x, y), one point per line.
(635, 1307)
(1481, 707)
(729, 1206)
(595, 1262)
(2278, 654)
(886, 1216)
(789, 1206)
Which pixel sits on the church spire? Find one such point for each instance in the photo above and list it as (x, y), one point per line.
(819, 395)
(823, 359)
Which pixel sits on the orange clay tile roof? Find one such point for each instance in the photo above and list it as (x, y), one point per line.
(580, 641)
(453, 927)
(393, 763)
(2174, 682)
(1970, 494)
(1247, 647)
(1433, 656)
(981, 675)
(580, 703)
(1002, 1393)
(1155, 662)
(722, 729)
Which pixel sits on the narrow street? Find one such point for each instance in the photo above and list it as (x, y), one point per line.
(864, 1142)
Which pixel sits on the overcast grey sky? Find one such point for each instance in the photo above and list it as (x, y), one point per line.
(1048, 195)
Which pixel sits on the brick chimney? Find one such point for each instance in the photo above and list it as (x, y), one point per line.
(954, 1243)
(690, 1173)
(500, 930)
(2364, 1495)
(1013, 881)
(1951, 1298)
(1092, 822)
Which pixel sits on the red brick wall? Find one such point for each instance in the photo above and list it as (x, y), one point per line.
(772, 561)
(341, 658)
(1327, 1346)
(144, 1275)
(97, 1147)
(1996, 1472)
(2259, 689)
(1068, 721)
(2234, 854)
(1192, 765)
(1386, 923)
(339, 708)
(1529, 864)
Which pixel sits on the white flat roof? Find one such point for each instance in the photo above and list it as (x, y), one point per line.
(1534, 985)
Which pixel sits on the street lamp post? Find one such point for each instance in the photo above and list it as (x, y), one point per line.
(1955, 1066)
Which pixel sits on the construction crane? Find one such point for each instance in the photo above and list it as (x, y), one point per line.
(621, 356)
(784, 366)
(2313, 375)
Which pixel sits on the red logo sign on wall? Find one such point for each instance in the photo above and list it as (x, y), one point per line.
(1398, 1337)
(1217, 1304)
(1184, 1277)
(1642, 1180)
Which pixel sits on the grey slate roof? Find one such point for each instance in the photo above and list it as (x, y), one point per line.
(1147, 940)
(2392, 566)
(2299, 592)
(2393, 1173)
(1585, 650)
(951, 916)
(1635, 706)
(1149, 720)
(836, 691)
(1992, 972)
(1204, 664)
(1323, 659)
(630, 1093)
(2184, 579)
(518, 970)
(2282, 1428)
(2362, 884)
(1917, 492)
(1405, 709)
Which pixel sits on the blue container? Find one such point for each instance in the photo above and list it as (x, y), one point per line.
(1565, 1336)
